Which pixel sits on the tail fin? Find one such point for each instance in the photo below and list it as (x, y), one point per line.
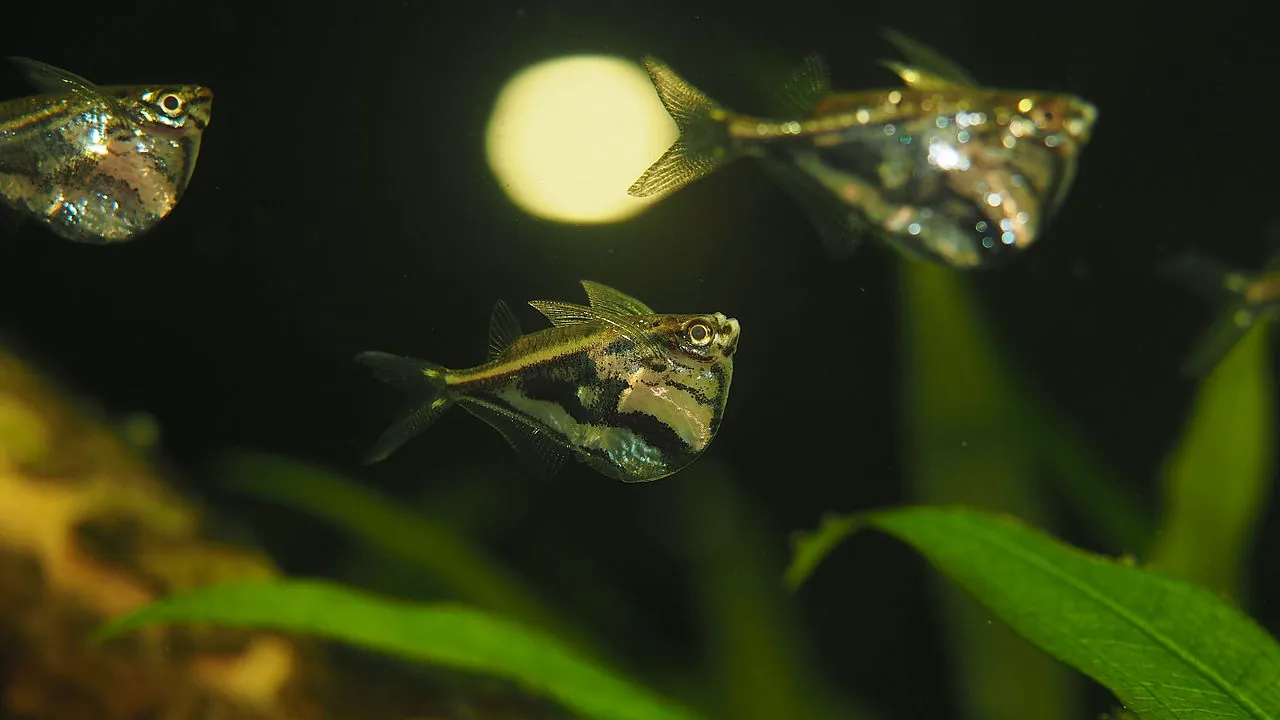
(703, 144)
(428, 392)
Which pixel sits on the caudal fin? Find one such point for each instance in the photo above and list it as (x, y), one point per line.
(703, 144)
(428, 392)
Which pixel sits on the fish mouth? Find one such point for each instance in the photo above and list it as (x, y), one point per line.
(1081, 126)
(727, 334)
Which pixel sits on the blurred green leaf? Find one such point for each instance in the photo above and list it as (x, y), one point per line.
(444, 634)
(432, 548)
(1167, 648)
(761, 666)
(1217, 479)
(967, 440)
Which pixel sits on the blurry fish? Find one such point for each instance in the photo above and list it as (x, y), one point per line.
(98, 164)
(635, 395)
(1250, 299)
(942, 169)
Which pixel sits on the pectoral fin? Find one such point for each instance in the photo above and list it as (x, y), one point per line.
(542, 455)
(562, 314)
(606, 299)
(930, 68)
(56, 81)
(837, 226)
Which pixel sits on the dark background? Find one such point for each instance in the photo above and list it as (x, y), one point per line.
(342, 202)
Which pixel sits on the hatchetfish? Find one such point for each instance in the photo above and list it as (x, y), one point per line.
(942, 169)
(631, 393)
(98, 164)
(1247, 299)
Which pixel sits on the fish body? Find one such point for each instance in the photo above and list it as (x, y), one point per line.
(633, 394)
(942, 169)
(99, 164)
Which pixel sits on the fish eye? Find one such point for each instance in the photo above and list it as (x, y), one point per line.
(1048, 115)
(171, 103)
(699, 334)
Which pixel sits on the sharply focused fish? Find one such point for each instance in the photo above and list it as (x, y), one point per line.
(633, 394)
(942, 169)
(1249, 299)
(98, 164)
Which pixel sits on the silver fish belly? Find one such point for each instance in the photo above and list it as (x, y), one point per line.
(100, 165)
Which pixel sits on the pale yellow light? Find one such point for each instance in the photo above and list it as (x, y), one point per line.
(568, 136)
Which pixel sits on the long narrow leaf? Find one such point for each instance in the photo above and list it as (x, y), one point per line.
(1167, 648)
(1217, 480)
(444, 634)
(434, 549)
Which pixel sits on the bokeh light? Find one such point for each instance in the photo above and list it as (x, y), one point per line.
(568, 136)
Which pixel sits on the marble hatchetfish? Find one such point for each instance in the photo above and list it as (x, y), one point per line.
(943, 169)
(633, 394)
(98, 164)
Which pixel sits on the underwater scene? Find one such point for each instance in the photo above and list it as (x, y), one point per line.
(617, 361)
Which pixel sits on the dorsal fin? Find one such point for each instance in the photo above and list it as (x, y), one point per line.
(504, 329)
(605, 298)
(928, 67)
(808, 84)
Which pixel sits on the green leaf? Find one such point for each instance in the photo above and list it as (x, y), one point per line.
(1217, 479)
(443, 634)
(428, 546)
(1167, 648)
(966, 441)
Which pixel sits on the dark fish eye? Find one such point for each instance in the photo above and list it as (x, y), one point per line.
(1048, 115)
(699, 334)
(171, 104)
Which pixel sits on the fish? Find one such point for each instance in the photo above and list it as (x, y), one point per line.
(633, 394)
(98, 164)
(943, 170)
(1247, 300)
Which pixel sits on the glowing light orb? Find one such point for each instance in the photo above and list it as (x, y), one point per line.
(568, 136)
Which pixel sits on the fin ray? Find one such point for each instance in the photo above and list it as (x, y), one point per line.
(702, 145)
(931, 64)
(56, 81)
(428, 398)
(537, 450)
(806, 87)
(562, 314)
(833, 220)
(504, 329)
(603, 297)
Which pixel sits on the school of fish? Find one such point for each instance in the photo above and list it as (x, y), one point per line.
(942, 169)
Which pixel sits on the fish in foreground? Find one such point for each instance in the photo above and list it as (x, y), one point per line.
(942, 169)
(631, 393)
(98, 164)
(1249, 299)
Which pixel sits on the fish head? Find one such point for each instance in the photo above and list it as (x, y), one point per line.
(701, 339)
(1052, 120)
(183, 109)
